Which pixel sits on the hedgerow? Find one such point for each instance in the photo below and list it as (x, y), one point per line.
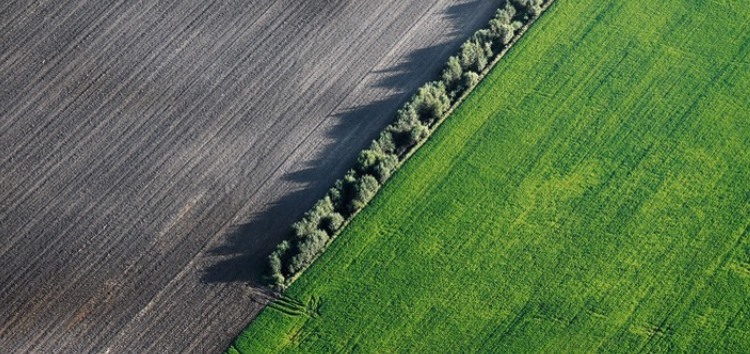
(413, 124)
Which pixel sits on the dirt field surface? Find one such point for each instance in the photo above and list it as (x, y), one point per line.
(153, 152)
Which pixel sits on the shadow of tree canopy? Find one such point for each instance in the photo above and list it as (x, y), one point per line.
(243, 257)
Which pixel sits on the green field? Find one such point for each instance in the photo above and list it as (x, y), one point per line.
(592, 193)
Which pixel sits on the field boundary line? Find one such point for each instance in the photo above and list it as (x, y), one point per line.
(413, 150)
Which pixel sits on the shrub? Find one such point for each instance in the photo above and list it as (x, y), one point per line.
(485, 38)
(332, 222)
(469, 79)
(376, 162)
(451, 76)
(530, 8)
(408, 115)
(321, 207)
(385, 142)
(503, 16)
(431, 102)
(275, 261)
(367, 159)
(336, 195)
(347, 187)
(306, 250)
(505, 34)
(473, 56)
(501, 26)
(355, 191)
(407, 130)
(408, 137)
(304, 227)
(418, 133)
(385, 167)
(310, 222)
(364, 189)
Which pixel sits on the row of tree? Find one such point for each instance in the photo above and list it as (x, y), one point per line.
(413, 124)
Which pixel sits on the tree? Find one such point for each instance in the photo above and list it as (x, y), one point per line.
(485, 38)
(503, 16)
(347, 192)
(407, 130)
(367, 159)
(304, 227)
(473, 56)
(306, 250)
(276, 276)
(385, 142)
(332, 222)
(451, 75)
(505, 34)
(531, 8)
(385, 167)
(376, 162)
(365, 188)
(431, 102)
(469, 79)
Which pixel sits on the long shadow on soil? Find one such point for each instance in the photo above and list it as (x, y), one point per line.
(457, 15)
(243, 257)
(398, 76)
(462, 13)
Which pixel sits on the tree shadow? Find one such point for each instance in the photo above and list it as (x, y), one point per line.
(410, 72)
(464, 12)
(243, 256)
(401, 76)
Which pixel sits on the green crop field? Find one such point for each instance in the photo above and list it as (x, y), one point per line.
(592, 193)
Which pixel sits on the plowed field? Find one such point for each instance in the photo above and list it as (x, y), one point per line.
(153, 152)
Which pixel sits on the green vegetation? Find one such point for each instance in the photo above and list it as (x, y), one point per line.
(592, 193)
(320, 225)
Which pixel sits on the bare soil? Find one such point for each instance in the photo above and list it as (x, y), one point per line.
(152, 153)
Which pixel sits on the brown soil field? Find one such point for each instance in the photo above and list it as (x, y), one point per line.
(152, 153)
